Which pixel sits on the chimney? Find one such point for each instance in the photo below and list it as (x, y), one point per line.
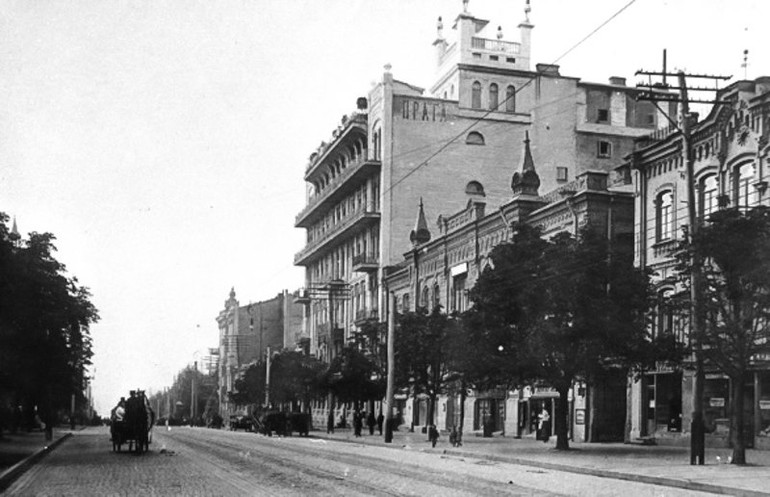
(617, 81)
(550, 69)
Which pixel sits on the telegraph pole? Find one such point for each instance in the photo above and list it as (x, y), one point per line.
(391, 371)
(697, 426)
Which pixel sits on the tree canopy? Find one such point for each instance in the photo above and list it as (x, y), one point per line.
(45, 345)
(556, 311)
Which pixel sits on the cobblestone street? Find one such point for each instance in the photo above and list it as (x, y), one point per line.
(198, 462)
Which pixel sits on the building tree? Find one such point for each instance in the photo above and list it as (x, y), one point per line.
(735, 249)
(295, 379)
(353, 377)
(45, 345)
(424, 353)
(558, 311)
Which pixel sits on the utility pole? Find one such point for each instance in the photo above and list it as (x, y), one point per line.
(391, 367)
(267, 379)
(697, 426)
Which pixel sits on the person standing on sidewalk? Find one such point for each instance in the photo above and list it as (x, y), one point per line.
(358, 423)
(371, 421)
(433, 435)
(544, 425)
(380, 420)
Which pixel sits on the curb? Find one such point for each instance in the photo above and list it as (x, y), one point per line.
(10, 475)
(602, 473)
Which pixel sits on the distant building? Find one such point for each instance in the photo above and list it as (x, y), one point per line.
(247, 332)
(732, 152)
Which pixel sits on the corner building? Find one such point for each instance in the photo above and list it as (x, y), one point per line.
(731, 153)
(446, 144)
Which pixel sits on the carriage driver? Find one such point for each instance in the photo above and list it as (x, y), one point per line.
(119, 411)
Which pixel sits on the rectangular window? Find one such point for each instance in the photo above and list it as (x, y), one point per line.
(603, 116)
(510, 59)
(494, 57)
(477, 56)
(603, 149)
(561, 174)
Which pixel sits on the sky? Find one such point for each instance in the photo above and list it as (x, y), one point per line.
(163, 142)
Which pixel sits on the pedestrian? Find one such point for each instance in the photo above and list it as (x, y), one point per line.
(544, 426)
(330, 422)
(358, 423)
(371, 421)
(454, 437)
(433, 435)
(380, 420)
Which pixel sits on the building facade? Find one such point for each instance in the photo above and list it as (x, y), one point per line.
(447, 258)
(731, 152)
(454, 146)
(247, 332)
(445, 144)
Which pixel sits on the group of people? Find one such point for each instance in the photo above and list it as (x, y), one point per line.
(371, 422)
(131, 408)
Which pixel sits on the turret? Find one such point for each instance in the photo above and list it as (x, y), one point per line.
(420, 234)
(527, 182)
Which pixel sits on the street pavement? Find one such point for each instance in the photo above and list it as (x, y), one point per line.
(197, 461)
(661, 465)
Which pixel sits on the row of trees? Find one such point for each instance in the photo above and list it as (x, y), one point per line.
(190, 386)
(554, 312)
(45, 346)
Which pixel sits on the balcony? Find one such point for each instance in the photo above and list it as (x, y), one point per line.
(303, 297)
(506, 47)
(366, 263)
(354, 124)
(343, 230)
(365, 315)
(336, 190)
(665, 249)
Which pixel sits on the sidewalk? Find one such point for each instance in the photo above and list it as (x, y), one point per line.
(20, 450)
(660, 465)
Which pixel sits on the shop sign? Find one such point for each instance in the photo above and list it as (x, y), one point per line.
(580, 416)
(717, 402)
(764, 404)
(423, 110)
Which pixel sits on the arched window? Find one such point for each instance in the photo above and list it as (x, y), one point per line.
(425, 301)
(664, 215)
(708, 195)
(476, 95)
(474, 138)
(745, 194)
(493, 96)
(406, 302)
(474, 188)
(436, 295)
(510, 99)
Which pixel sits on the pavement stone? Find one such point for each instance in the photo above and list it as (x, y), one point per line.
(19, 451)
(660, 465)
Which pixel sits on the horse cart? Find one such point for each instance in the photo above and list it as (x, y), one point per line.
(135, 429)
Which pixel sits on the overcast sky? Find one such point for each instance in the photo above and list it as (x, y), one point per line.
(164, 142)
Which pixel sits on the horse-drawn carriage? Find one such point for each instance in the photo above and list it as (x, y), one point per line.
(131, 423)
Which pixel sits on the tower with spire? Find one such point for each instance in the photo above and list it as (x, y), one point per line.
(420, 234)
(526, 182)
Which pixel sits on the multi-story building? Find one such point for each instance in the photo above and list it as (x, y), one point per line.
(447, 145)
(439, 270)
(731, 153)
(247, 332)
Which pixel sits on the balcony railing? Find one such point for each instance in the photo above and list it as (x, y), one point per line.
(665, 248)
(364, 315)
(366, 262)
(351, 169)
(337, 230)
(508, 47)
